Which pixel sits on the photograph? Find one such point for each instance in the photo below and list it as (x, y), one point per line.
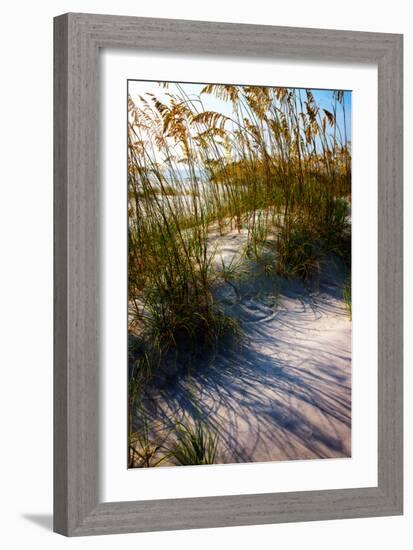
(239, 310)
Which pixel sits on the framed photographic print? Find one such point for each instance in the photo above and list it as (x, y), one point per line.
(228, 274)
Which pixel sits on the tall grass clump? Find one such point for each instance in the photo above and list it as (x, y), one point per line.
(170, 274)
(195, 445)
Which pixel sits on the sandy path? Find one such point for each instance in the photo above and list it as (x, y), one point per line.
(284, 392)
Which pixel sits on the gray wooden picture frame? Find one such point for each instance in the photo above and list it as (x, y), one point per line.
(78, 39)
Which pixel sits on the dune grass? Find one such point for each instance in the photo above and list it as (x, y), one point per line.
(195, 445)
(184, 443)
(280, 167)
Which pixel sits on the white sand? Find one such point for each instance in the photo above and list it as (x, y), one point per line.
(284, 392)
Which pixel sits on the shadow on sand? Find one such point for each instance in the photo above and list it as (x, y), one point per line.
(284, 391)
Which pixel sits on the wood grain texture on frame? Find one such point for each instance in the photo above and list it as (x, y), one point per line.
(78, 39)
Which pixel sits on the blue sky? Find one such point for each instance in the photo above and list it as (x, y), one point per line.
(323, 98)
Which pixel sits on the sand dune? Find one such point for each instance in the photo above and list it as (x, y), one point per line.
(284, 391)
